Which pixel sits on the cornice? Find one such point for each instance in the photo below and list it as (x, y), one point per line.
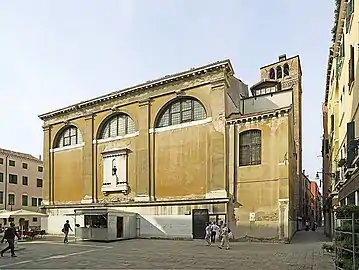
(194, 72)
(340, 26)
(329, 73)
(261, 116)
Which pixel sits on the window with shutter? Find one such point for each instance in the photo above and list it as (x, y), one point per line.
(351, 65)
(350, 139)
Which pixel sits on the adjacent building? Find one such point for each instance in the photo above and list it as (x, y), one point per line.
(194, 141)
(340, 113)
(316, 206)
(21, 183)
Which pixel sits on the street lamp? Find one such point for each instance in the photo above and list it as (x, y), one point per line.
(320, 180)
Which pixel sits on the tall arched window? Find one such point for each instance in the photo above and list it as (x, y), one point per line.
(117, 125)
(69, 136)
(272, 74)
(279, 72)
(286, 70)
(181, 111)
(250, 148)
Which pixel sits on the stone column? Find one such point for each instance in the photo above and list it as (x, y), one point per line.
(87, 167)
(47, 147)
(143, 185)
(356, 198)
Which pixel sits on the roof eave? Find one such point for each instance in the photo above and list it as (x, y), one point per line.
(340, 27)
(146, 85)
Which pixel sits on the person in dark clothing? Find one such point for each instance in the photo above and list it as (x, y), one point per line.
(66, 231)
(9, 235)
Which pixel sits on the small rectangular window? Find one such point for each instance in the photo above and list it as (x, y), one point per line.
(1, 197)
(24, 165)
(40, 169)
(33, 201)
(39, 201)
(34, 219)
(25, 200)
(25, 180)
(11, 198)
(12, 178)
(332, 123)
(1, 177)
(1, 161)
(39, 182)
(12, 163)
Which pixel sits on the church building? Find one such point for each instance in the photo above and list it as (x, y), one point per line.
(189, 147)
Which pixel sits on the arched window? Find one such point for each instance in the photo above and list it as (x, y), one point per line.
(181, 111)
(272, 74)
(117, 125)
(279, 72)
(286, 70)
(69, 136)
(250, 148)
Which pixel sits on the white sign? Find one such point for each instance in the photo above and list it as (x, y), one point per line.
(252, 216)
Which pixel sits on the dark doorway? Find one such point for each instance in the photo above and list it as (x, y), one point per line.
(119, 227)
(199, 219)
(26, 225)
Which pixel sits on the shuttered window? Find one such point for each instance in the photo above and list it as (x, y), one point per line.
(118, 125)
(351, 66)
(181, 111)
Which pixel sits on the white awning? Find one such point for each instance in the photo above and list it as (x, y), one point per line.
(21, 213)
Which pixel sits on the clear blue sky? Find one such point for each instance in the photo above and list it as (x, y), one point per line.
(55, 53)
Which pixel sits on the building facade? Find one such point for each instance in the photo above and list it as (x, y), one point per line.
(316, 203)
(166, 147)
(21, 182)
(340, 113)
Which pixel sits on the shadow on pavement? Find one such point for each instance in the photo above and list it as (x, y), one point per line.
(305, 237)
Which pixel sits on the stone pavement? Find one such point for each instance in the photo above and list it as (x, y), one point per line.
(303, 253)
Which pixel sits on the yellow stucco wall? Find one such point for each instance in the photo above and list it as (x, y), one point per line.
(68, 175)
(188, 161)
(263, 189)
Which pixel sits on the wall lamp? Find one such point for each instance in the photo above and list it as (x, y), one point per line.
(332, 175)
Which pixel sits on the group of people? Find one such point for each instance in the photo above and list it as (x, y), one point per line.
(214, 231)
(10, 233)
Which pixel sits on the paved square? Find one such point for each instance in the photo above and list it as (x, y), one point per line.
(167, 254)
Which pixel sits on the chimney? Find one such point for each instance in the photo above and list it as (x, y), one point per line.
(282, 57)
(40, 157)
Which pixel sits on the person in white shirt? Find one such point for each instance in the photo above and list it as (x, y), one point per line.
(208, 231)
(215, 230)
(225, 237)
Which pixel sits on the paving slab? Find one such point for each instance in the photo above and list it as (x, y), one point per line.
(303, 253)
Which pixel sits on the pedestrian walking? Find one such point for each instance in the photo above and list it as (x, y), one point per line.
(208, 233)
(66, 229)
(214, 231)
(225, 237)
(9, 236)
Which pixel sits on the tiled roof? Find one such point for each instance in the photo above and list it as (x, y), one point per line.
(18, 154)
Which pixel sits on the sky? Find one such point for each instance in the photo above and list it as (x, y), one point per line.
(56, 53)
